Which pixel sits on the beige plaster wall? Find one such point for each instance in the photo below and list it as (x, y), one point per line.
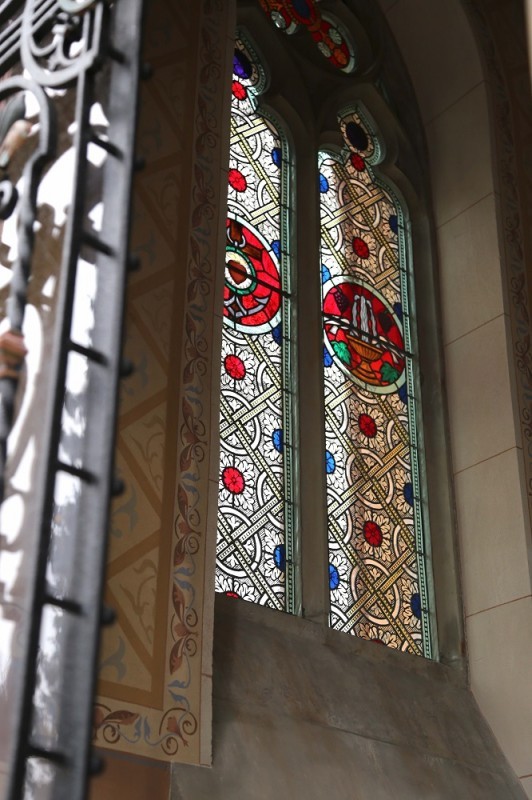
(441, 55)
(303, 712)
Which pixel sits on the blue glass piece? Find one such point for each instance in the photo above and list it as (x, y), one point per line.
(277, 334)
(334, 577)
(392, 222)
(276, 247)
(277, 439)
(242, 65)
(330, 463)
(408, 493)
(277, 156)
(279, 557)
(403, 394)
(324, 184)
(398, 308)
(302, 8)
(327, 358)
(415, 605)
(325, 273)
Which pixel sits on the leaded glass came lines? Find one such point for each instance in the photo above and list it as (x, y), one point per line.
(255, 505)
(376, 542)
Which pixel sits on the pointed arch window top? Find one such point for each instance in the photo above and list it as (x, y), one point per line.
(330, 36)
(249, 77)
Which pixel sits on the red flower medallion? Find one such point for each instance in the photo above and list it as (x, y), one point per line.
(235, 367)
(233, 480)
(239, 91)
(372, 534)
(360, 247)
(237, 181)
(358, 162)
(367, 426)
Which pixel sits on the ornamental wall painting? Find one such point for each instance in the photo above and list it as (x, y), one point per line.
(254, 559)
(377, 577)
(155, 669)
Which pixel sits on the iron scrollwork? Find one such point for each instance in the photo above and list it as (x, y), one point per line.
(57, 42)
(72, 39)
(12, 348)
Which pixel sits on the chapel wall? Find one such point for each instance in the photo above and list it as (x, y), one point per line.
(479, 246)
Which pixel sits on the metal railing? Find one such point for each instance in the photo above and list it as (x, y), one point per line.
(90, 48)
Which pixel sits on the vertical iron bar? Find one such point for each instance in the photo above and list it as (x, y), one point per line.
(125, 36)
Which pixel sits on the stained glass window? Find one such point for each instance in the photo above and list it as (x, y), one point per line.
(377, 576)
(330, 36)
(254, 551)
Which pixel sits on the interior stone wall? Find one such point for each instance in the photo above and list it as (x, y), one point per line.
(304, 712)
(478, 174)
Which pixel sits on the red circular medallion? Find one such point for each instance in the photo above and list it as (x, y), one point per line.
(239, 91)
(237, 181)
(235, 367)
(252, 291)
(233, 480)
(372, 534)
(358, 162)
(367, 426)
(360, 247)
(363, 335)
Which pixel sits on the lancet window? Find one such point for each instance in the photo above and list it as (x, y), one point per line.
(375, 524)
(254, 558)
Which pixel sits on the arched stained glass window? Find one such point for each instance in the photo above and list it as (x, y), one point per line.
(377, 575)
(254, 551)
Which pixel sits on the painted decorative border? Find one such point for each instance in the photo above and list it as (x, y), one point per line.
(174, 732)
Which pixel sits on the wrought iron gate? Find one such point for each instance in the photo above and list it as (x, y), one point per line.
(67, 117)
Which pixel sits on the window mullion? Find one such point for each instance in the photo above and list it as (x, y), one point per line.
(312, 488)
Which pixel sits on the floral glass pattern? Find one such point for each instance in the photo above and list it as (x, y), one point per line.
(254, 551)
(329, 35)
(377, 574)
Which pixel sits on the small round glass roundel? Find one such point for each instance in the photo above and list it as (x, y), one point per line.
(356, 136)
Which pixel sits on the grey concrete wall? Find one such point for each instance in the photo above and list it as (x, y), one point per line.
(305, 712)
